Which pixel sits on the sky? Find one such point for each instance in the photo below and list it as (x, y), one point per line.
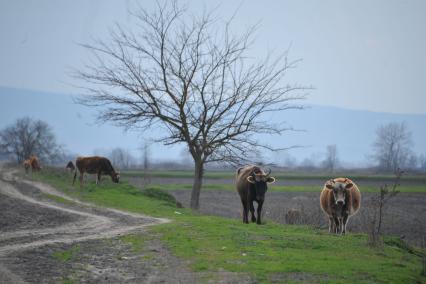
(366, 55)
(358, 55)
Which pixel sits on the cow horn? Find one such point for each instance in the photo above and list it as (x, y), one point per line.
(269, 172)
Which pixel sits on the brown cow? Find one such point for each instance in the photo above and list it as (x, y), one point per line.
(35, 165)
(95, 165)
(251, 183)
(27, 165)
(340, 199)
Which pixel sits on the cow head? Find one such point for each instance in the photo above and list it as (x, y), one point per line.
(115, 177)
(340, 190)
(260, 179)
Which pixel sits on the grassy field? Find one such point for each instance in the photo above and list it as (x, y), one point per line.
(369, 183)
(280, 175)
(271, 252)
(280, 188)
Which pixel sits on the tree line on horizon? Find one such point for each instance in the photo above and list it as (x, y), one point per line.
(391, 150)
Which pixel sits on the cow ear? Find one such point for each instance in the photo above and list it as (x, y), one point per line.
(349, 185)
(270, 180)
(250, 179)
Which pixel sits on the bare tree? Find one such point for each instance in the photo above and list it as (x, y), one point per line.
(194, 78)
(331, 159)
(392, 147)
(26, 137)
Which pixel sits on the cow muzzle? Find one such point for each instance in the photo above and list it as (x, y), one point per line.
(340, 202)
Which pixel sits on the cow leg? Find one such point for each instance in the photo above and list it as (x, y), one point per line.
(345, 221)
(336, 225)
(259, 212)
(331, 228)
(75, 176)
(340, 225)
(245, 211)
(98, 178)
(253, 218)
(81, 179)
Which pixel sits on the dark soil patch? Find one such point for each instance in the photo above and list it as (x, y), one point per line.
(18, 215)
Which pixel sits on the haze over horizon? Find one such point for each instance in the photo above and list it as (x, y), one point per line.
(75, 127)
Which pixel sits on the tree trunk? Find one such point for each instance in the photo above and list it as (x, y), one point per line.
(196, 187)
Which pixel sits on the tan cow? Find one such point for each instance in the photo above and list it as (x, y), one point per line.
(35, 165)
(340, 199)
(27, 165)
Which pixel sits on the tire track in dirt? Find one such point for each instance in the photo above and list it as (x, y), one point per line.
(93, 222)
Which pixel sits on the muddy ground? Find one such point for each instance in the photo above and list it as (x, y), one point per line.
(404, 215)
(46, 242)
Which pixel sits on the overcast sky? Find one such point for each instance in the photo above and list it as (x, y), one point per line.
(358, 54)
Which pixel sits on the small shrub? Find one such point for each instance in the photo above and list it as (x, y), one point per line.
(67, 255)
(159, 194)
(374, 225)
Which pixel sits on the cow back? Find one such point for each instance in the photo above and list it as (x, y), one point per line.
(93, 165)
(241, 183)
(35, 165)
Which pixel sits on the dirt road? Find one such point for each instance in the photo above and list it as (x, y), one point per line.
(46, 242)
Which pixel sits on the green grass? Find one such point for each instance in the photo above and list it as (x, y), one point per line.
(267, 252)
(66, 255)
(136, 241)
(56, 198)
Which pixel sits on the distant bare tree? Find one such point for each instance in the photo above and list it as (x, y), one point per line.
(26, 137)
(194, 78)
(422, 162)
(286, 160)
(331, 159)
(121, 158)
(392, 147)
(412, 162)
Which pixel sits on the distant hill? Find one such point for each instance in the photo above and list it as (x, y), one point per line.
(353, 131)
